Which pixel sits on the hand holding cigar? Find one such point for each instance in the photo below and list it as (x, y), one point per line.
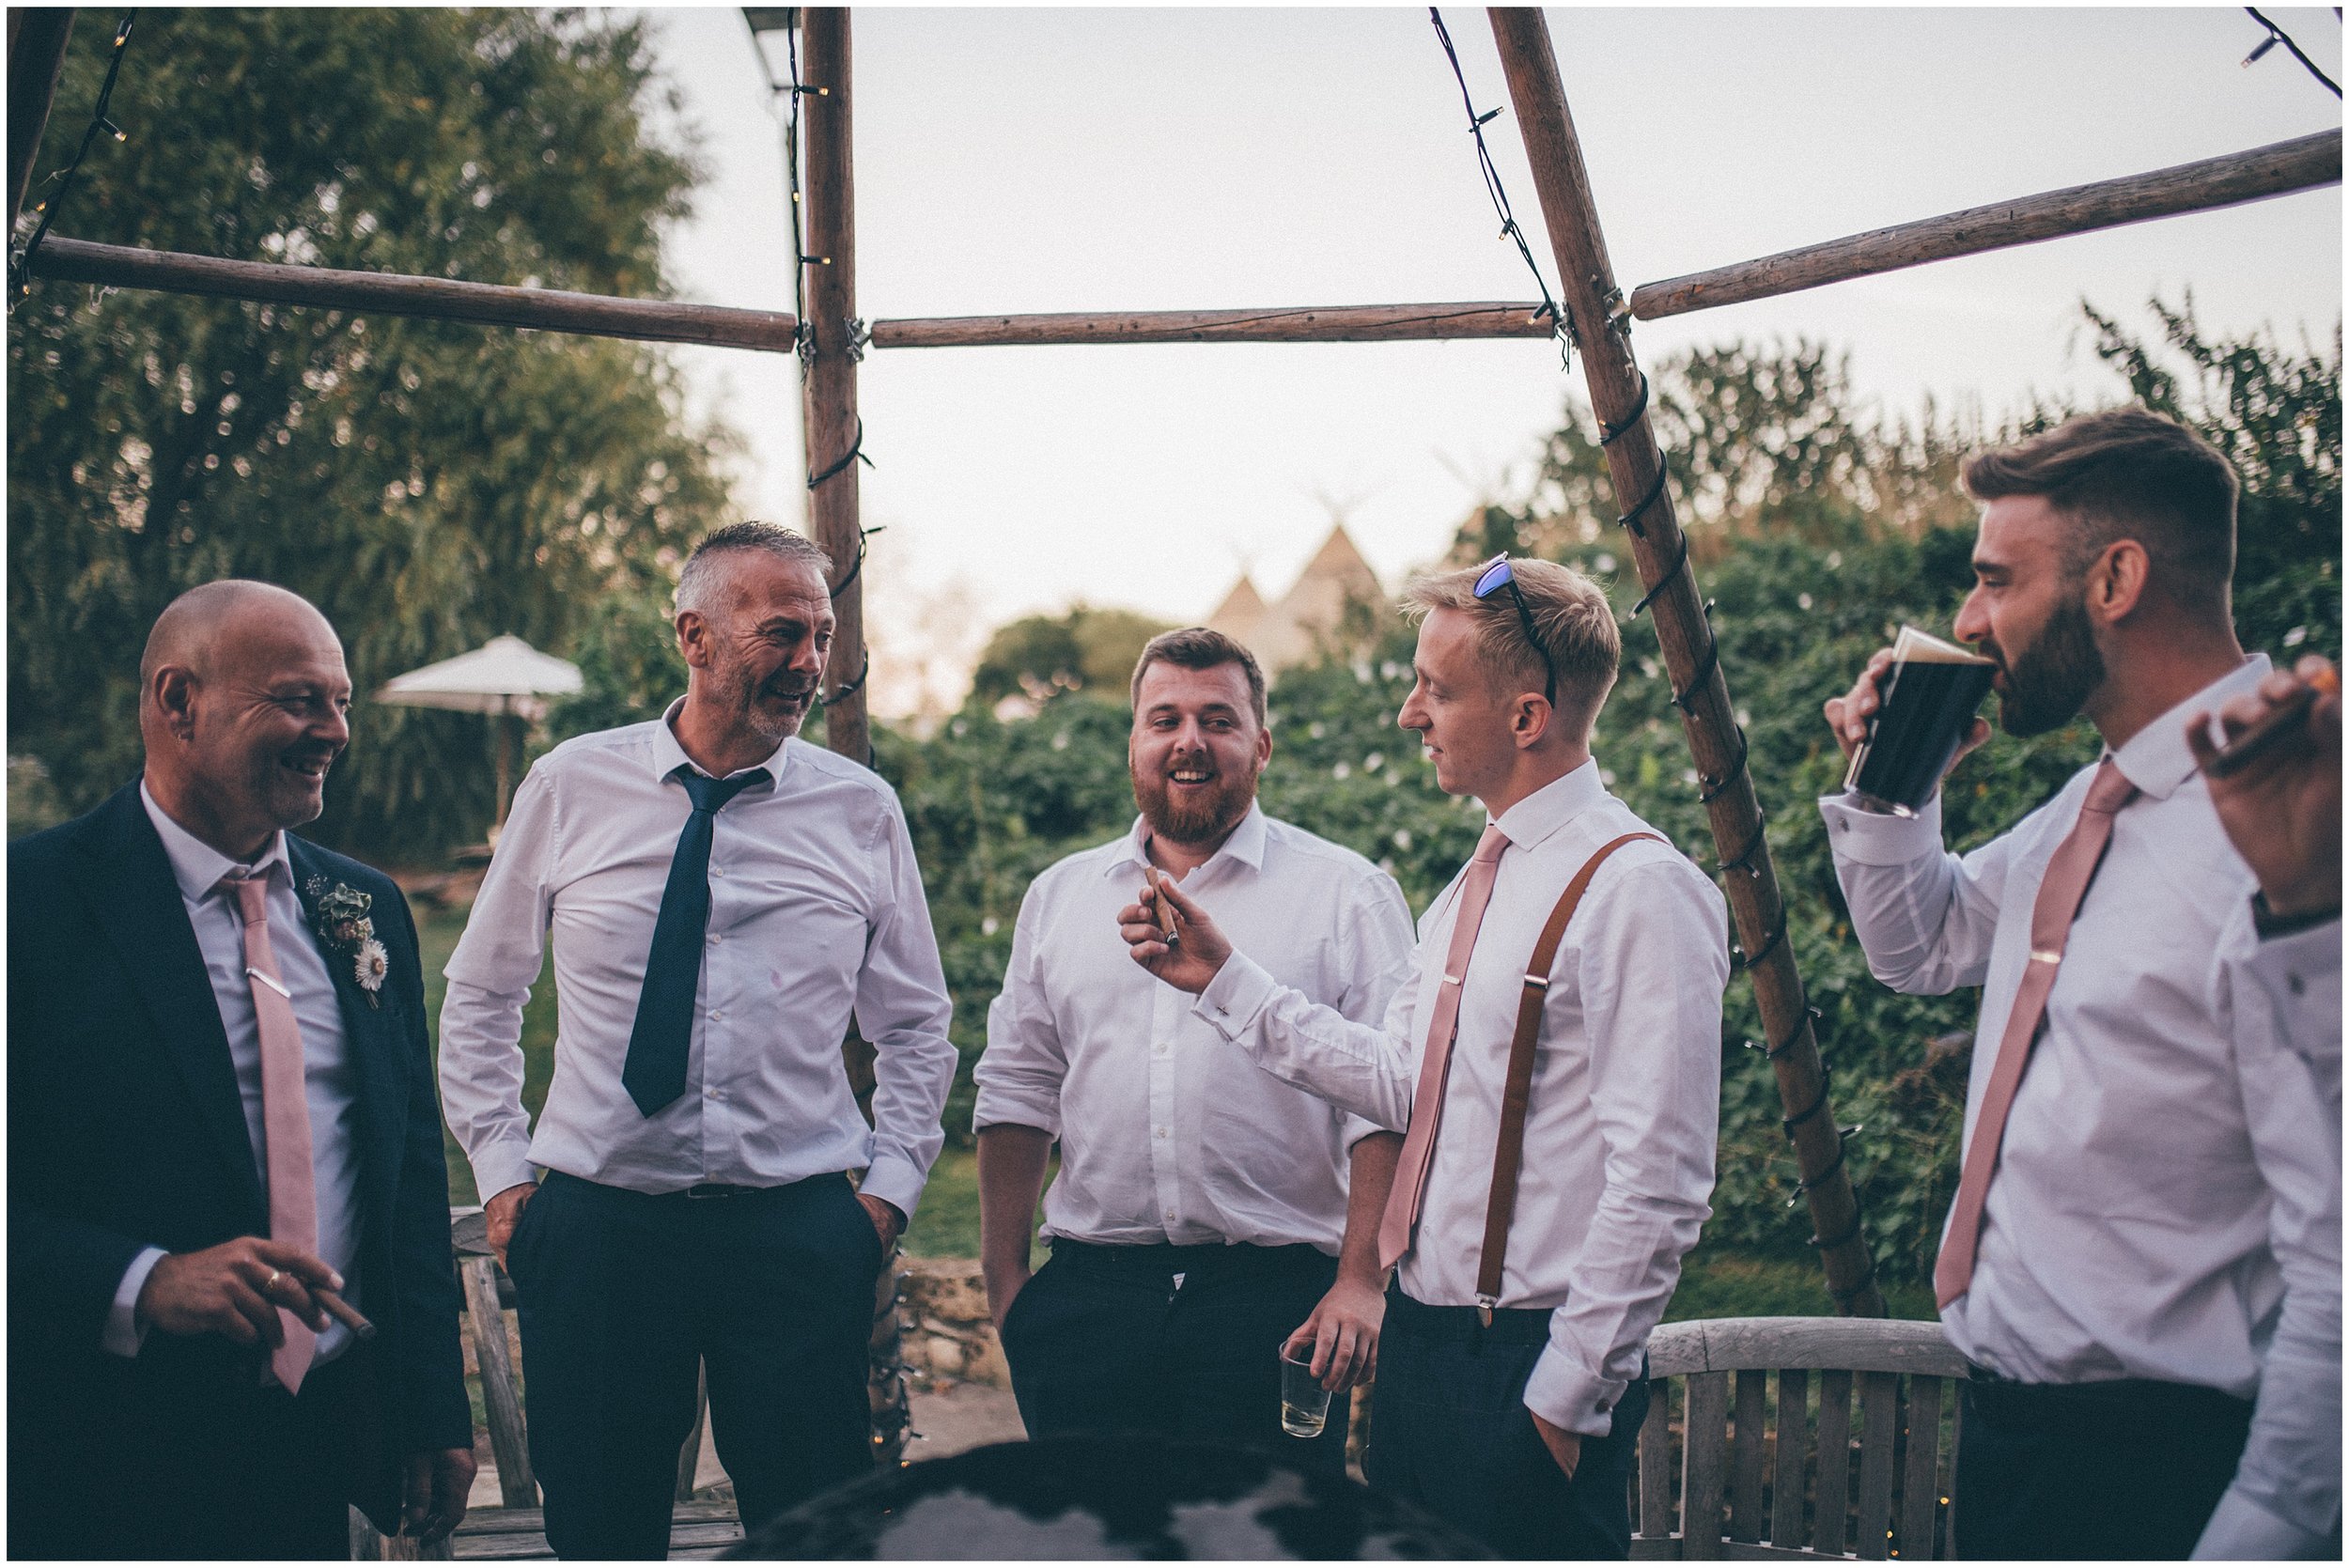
(2276, 784)
(343, 1313)
(1160, 910)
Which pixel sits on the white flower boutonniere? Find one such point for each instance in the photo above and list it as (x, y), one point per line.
(343, 925)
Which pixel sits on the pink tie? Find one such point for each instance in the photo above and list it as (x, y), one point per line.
(1400, 1221)
(293, 1204)
(2069, 871)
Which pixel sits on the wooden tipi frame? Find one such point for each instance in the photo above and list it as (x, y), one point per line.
(833, 340)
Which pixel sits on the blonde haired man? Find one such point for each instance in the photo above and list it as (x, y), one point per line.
(1509, 1391)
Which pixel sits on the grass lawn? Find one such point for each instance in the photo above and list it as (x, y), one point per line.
(1713, 1283)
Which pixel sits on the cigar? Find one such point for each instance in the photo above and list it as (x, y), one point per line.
(2282, 720)
(343, 1313)
(1163, 909)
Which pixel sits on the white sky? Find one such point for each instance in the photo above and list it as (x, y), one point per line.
(1015, 161)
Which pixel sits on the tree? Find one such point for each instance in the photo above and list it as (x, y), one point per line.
(1040, 656)
(427, 485)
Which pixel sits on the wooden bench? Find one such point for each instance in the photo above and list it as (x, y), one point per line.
(1750, 1448)
(516, 1528)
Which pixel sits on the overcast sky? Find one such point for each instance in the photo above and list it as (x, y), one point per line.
(1079, 158)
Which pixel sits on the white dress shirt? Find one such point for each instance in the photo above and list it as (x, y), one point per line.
(815, 914)
(1626, 1104)
(330, 1077)
(2159, 1205)
(1168, 1133)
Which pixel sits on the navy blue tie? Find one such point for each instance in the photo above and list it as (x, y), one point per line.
(663, 1035)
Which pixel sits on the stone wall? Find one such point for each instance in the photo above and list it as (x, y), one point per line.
(949, 1335)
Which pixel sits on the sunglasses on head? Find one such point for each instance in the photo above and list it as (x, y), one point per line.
(1495, 575)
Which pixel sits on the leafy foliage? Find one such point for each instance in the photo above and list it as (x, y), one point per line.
(1038, 657)
(426, 485)
(1818, 535)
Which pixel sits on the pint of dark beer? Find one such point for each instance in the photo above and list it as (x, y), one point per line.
(1930, 695)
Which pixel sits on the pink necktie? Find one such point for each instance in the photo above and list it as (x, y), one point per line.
(293, 1204)
(2069, 871)
(1401, 1220)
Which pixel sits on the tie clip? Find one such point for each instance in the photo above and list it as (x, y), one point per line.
(1540, 980)
(2046, 955)
(265, 980)
(1451, 980)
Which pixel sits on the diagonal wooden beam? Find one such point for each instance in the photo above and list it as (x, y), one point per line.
(36, 40)
(2304, 163)
(398, 294)
(1636, 466)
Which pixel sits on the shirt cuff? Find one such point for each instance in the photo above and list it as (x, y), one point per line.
(503, 1166)
(1237, 994)
(1571, 1397)
(895, 1179)
(1880, 838)
(999, 1107)
(124, 1336)
(2240, 1530)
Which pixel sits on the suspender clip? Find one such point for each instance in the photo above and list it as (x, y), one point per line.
(1485, 1311)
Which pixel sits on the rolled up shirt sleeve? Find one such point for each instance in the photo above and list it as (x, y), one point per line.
(490, 977)
(1655, 1035)
(1020, 1072)
(1925, 917)
(903, 1008)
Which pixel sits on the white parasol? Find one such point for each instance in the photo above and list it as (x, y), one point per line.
(505, 678)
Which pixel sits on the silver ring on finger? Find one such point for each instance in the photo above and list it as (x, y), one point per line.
(271, 1283)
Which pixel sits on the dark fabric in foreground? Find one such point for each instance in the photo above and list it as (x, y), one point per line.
(1120, 1498)
(2121, 1470)
(621, 1293)
(1103, 1340)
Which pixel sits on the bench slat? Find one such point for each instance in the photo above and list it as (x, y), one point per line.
(1816, 1344)
(1826, 1534)
(1703, 1465)
(1746, 1457)
(1793, 1439)
(501, 1393)
(1656, 1464)
(1879, 1411)
(1919, 1477)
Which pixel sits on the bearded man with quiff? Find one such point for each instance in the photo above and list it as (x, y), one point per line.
(1207, 1216)
(2142, 1259)
(724, 899)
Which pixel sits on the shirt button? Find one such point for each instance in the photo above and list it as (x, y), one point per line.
(1158, 1048)
(1170, 1214)
(715, 1015)
(717, 871)
(1161, 1132)
(715, 940)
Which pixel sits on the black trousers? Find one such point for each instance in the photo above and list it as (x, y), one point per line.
(2121, 1469)
(622, 1293)
(204, 1469)
(1448, 1430)
(1103, 1339)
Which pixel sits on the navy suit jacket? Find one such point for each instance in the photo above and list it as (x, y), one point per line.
(126, 1131)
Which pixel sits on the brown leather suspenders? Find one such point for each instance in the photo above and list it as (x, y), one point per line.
(1509, 1150)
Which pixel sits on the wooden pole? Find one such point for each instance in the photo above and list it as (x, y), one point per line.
(2301, 165)
(1276, 324)
(1636, 466)
(834, 433)
(36, 40)
(396, 294)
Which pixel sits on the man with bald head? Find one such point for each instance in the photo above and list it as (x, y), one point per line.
(232, 1308)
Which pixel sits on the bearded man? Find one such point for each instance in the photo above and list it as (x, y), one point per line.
(722, 898)
(1207, 1216)
(2143, 1257)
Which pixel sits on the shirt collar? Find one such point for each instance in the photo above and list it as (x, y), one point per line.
(2156, 758)
(668, 757)
(1552, 806)
(1246, 845)
(195, 865)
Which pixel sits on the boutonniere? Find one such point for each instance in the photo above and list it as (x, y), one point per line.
(343, 925)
